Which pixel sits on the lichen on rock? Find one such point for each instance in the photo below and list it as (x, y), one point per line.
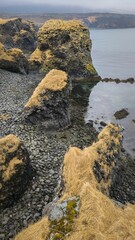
(13, 60)
(49, 103)
(14, 169)
(64, 45)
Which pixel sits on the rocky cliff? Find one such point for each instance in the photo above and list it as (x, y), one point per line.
(64, 45)
(84, 211)
(13, 60)
(18, 33)
(14, 169)
(48, 106)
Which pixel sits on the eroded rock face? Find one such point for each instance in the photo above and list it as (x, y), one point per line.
(13, 60)
(19, 33)
(64, 45)
(14, 169)
(48, 106)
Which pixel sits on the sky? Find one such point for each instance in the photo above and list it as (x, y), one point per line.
(122, 6)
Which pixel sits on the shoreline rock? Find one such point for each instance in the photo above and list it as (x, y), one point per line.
(13, 60)
(18, 33)
(64, 45)
(49, 104)
(15, 170)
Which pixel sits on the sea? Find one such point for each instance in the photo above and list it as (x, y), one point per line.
(113, 55)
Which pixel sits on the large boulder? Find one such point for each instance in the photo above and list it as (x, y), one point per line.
(19, 33)
(13, 60)
(48, 105)
(64, 45)
(14, 169)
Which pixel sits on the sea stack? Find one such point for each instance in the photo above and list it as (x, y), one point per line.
(48, 106)
(64, 45)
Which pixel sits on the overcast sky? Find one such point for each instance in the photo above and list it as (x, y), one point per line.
(113, 5)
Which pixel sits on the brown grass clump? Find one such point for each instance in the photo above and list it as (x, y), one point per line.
(55, 80)
(10, 170)
(8, 145)
(4, 117)
(36, 56)
(3, 21)
(38, 231)
(11, 54)
(99, 218)
(61, 24)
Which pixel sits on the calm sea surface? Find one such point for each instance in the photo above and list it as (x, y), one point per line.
(113, 56)
(113, 52)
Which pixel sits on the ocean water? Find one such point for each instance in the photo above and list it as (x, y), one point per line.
(113, 56)
(113, 52)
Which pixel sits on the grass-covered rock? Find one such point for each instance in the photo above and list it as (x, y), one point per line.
(64, 45)
(14, 169)
(13, 60)
(18, 33)
(48, 105)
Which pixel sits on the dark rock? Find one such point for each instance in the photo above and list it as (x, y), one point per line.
(19, 33)
(64, 45)
(48, 105)
(13, 60)
(103, 124)
(15, 169)
(123, 113)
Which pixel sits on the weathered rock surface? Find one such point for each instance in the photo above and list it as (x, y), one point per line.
(123, 113)
(18, 33)
(49, 103)
(64, 45)
(13, 60)
(14, 169)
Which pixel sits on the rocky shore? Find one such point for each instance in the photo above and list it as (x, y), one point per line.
(46, 149)
(32, 108)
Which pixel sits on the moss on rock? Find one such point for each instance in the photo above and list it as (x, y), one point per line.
(64, 45)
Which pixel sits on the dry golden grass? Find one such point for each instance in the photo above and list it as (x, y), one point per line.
(3, 21)
(36, 56)
(11, 169)
(38, 231)
(55, 80)
(4, 117)
(11, 54)
(99, 218)
(61, 24)
(8, 145)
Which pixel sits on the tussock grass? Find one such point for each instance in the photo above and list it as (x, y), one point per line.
(55, 80)
(99, 218)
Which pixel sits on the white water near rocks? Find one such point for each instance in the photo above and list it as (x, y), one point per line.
(113, 55)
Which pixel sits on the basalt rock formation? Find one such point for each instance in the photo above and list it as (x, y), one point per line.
(14, 169)
(48, 106)
(97, 216)
(64, 45)
(13, 60)
(18, 33)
